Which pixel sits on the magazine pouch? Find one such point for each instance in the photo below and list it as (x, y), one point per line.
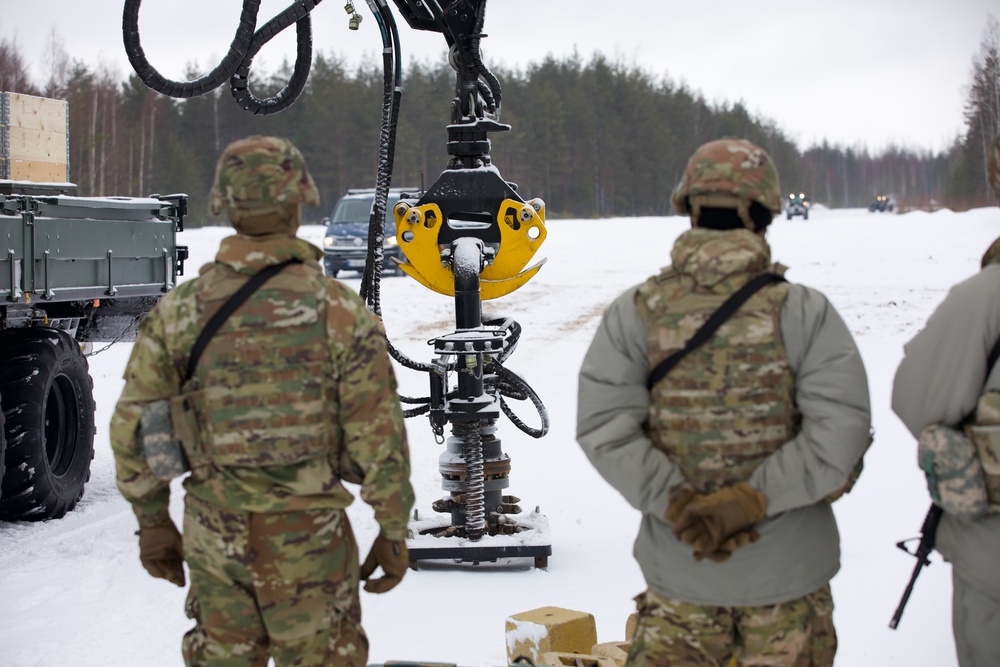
(954, 474)
(159, 443)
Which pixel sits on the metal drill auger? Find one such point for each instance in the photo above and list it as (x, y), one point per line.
(470, 236)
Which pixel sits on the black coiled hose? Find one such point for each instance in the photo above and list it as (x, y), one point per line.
(239, 83)
(236, 65)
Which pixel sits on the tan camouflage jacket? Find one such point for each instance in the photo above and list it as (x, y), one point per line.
(363, 401)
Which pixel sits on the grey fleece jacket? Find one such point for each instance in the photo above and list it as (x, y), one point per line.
(799, 547)
(940, 379)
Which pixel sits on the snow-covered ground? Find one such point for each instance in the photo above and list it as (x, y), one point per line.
(73, 594)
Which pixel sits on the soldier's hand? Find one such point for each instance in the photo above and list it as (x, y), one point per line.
(740, 538)
(708, 520)
(392, 557)
(161, 550)
(679, 499)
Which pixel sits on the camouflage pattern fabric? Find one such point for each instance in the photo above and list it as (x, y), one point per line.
(164, 453)
(954, 474)
(363, 419)
(279, 584)
(269, 394)
(728, 173)
(730, 403)
(798, 633)
(294, 385)
(261, 182)
(993, 167)
(984, 432)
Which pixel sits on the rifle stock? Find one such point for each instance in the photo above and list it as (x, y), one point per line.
(928, 534)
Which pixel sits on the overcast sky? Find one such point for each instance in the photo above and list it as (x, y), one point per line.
(857, 72)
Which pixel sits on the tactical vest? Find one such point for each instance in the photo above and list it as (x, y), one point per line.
(728, 404)
(266, 386)
(984, 426)
(984, 432)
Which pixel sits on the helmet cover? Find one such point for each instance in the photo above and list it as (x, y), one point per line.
(261, 181)
(738, 170)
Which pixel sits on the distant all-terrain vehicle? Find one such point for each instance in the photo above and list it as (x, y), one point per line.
(76, 271)
(881, 204)
(345, 245)
(797, 204)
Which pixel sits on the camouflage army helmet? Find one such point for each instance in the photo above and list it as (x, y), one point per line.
(728, 173)
(261, 182)
(993, 167)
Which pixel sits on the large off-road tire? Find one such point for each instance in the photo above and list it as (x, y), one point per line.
(3, 451)
(48, 404)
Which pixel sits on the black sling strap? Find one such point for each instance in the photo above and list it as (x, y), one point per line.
(991, 361)
(229, 307)
(724, 312)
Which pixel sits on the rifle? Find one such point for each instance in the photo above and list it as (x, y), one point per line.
(928, 533)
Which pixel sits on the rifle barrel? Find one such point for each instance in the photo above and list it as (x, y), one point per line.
(928, 535)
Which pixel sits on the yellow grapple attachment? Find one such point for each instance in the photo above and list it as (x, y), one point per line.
(522, 231)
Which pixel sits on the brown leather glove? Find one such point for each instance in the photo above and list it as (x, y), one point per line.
(392, 556)
(161, 550)
(679, 499)
(708, 520)
(740, 538)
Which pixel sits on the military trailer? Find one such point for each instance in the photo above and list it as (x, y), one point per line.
(76, 272)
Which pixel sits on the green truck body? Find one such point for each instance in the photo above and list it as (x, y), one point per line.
(74, 271)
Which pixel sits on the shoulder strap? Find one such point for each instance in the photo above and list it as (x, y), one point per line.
(724, 312)
(230, 307)
(992, 359)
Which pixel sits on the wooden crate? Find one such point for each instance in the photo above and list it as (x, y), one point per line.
(34, 138)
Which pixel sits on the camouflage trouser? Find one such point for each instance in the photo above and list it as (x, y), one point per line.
(798, 633)
(278, 584)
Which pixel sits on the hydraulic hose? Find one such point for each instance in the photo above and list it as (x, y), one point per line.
(235, 67)
(511, 385)
(392, 90)
(239, 83)
(148, 74)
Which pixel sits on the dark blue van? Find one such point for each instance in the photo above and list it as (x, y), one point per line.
(345, 246)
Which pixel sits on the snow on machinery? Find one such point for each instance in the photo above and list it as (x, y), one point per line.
(469, 236)
(77, 271)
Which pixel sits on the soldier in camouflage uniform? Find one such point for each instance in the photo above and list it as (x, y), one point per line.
(294, 393)
(943, 386)
(734, 456)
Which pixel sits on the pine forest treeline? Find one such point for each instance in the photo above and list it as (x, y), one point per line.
(593, 138)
